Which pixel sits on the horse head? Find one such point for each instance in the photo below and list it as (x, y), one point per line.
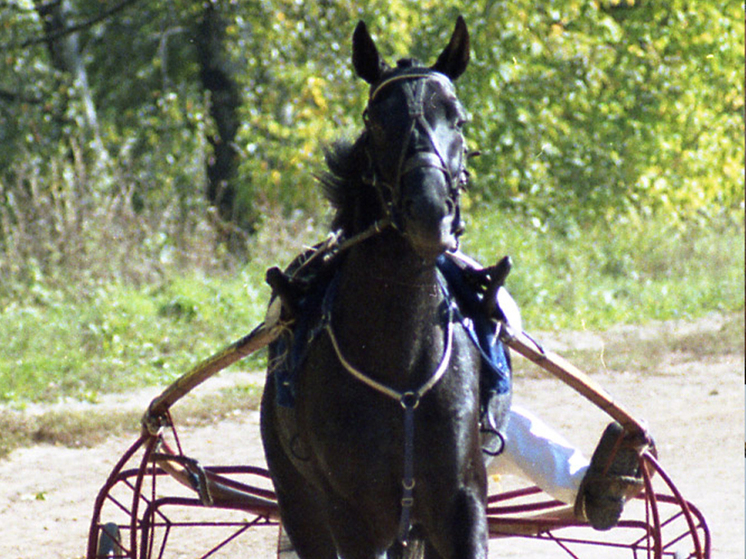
(414, 140)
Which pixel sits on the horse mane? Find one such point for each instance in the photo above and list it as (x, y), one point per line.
(346, 181)
(346, 186)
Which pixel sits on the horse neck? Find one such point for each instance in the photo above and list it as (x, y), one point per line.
(387, 313)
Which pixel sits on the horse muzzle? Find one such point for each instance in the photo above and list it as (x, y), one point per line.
(428, 211)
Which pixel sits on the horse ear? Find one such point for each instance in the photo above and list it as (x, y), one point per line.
(368, 64)
(453, 60)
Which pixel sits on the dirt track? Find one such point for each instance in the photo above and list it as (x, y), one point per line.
(693, 402)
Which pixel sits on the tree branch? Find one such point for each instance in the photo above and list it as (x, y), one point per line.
(15, 97)
(71, 28)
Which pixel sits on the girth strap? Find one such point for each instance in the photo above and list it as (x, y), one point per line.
(408, 481)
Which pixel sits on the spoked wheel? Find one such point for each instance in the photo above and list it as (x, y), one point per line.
(657, 524)
(158, 503)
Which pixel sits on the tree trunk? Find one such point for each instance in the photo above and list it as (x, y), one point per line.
(216, 73)
(64, 51)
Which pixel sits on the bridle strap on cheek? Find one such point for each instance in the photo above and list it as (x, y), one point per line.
(423, 159)
(390, 192)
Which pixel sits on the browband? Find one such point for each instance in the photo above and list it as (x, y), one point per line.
(409, 76)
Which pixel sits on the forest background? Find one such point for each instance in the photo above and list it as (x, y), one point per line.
(157, 156)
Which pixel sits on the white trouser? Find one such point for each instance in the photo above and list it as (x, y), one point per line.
(532, 448)
(535, 451)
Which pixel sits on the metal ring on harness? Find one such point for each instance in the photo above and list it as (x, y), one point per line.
(410, 400)
(498, 436)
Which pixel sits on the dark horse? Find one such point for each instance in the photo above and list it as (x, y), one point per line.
(382, 444)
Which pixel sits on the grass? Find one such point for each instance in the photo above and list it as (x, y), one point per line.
(116, 337)
(600, 276)
(645, 350)
(76, 428)
(82, 339)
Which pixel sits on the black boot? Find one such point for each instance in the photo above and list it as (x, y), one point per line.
(613, 478)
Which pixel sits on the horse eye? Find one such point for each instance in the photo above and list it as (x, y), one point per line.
(455, 115)
(370, 124)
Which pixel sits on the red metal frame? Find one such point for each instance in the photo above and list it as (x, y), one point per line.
(134, 496)
(145, 500)
(666, 526)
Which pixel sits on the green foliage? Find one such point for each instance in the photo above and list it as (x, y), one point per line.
(582, 110)
(114, 337)
(625, 272)
(601, 114)
(612, 156)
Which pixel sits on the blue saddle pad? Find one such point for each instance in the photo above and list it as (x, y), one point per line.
(289, 350)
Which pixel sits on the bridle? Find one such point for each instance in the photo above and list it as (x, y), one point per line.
(390, 191)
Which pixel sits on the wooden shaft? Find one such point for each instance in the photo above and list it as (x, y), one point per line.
(261, 336)
(574, 377)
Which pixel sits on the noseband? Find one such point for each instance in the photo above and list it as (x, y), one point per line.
(390, 193)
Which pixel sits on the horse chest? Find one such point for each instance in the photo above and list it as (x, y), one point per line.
(348, 422)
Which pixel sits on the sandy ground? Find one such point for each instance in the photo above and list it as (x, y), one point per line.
(694, 405)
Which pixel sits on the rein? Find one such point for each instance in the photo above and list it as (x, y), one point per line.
(409, 401)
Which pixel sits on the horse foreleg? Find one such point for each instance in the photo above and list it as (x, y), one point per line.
(471, 535)
(352, 534)
(465, 534)
(301, 504)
